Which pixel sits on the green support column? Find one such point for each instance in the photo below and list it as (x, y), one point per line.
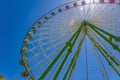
(117, 38)
(74, 59)
(70, 44)
(96, 29)
(69, 51)
(61, 52)
(111, 61)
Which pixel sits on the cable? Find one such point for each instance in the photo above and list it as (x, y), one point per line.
(86, 55)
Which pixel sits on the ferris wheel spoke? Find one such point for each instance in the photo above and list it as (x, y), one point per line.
(105, 17)
(52, 37)
(112, 9)
(103, 22)
(44, 34)
(34, 57)
(98, 19)
(96, 7)
(55, 39)
(58, 64)
(79, 13)
(111, 29)
(70, 18)
(76, 14)
(106, 11)
(43, 61)
(38, 54)
(88, 11)
(102, 11)
(90, 14)
(53, 46)
(108, 27)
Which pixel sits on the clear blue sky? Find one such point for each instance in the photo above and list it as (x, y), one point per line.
(16, 17)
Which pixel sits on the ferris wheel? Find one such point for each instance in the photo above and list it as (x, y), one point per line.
(79, 40)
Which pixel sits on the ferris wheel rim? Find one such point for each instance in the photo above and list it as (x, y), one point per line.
(43, 17)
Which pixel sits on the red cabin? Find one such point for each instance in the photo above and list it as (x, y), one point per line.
(83, 2)
(101, 1)
(67, 7)
(75, 4)
(111, 1)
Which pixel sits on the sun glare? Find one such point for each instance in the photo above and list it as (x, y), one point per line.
(87, 1)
